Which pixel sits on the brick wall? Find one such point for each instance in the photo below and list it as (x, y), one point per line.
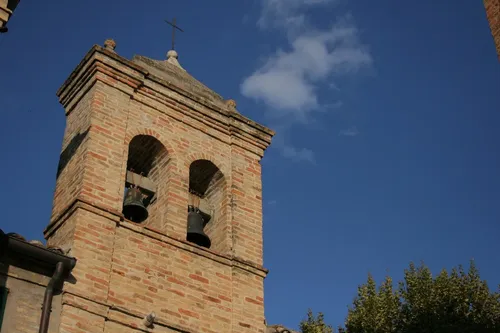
(24, 301)
(493, 16)
(126, 270)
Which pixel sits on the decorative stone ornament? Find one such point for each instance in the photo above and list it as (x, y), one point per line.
(110, 44)
(231, 104)
(173, 58)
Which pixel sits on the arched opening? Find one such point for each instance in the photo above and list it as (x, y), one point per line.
(207, 187)
(146, 180)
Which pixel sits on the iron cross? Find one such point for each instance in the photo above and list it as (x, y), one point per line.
(174, 26)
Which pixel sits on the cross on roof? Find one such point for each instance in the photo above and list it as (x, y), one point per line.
(174, 26)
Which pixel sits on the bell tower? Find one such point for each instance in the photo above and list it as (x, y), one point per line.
(158, 196)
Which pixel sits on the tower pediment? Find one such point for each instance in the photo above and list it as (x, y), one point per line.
(163, 81)
(177, 75)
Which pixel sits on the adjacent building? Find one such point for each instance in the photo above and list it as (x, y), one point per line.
(31, 278)
(493, 16)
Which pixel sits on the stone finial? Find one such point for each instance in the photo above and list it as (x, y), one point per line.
(110, 44)
(172, 57)
(231, 103)
(172, 54)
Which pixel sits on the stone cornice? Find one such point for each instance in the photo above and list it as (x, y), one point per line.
(190, 247)
(100, 64)
(121, 315)
(94, 53)
(160, 236)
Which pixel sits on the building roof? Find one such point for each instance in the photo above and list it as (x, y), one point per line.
(170, 70)
(58, 250)
(33, 256)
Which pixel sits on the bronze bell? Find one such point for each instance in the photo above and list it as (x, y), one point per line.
(133, 208)
(196, 222)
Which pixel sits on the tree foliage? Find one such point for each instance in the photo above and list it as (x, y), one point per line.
(455, 302)
(315, 324)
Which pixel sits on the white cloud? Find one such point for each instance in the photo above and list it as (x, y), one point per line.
(333, 86)
(351, 131)
(335, 105)
(284, 13)
(283, 91)
(298, 154)
(289, 81)
(289, 151)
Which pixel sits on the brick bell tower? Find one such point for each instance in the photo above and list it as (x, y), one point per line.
(158, 196)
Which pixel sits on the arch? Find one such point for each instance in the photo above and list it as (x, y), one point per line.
(148, 156)
(209, 192)
(188, 160)
(202, 174)
(145, 156)
(147, 131)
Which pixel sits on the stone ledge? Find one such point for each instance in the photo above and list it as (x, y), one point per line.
(90, 305)
(24, 275)
(120, 315)
(118, 218)
(82, 204)
(207, 253)
(112, 64)
(239, 131)
(83, 63)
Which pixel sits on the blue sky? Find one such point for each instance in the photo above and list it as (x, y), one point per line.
(387, 116)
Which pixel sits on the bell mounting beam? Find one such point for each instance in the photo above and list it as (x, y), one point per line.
(144, 183)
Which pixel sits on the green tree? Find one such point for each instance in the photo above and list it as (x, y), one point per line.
(315, 324)
(454, 302)
(449, 303)
(374, 311)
